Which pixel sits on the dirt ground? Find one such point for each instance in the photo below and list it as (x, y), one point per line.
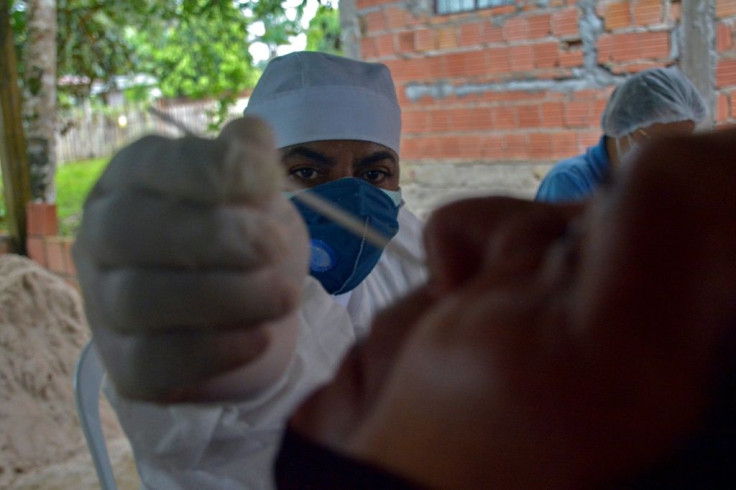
(42, 330)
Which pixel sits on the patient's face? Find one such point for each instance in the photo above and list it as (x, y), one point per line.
(554, 346)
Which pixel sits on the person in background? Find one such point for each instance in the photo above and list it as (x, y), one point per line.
(651, 104)
(193, 264)
(554, 347)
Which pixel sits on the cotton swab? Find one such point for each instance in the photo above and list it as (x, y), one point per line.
(323, 207)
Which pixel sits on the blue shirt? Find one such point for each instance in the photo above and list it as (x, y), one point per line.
(576, 178)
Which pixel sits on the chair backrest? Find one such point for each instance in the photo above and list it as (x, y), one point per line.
(87, 384)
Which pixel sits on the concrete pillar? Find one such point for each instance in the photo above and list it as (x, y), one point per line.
(698, 48)
(350, 26)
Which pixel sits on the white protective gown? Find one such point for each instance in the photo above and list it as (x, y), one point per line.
(233, 445)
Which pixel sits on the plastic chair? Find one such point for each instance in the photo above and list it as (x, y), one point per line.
(87, 384)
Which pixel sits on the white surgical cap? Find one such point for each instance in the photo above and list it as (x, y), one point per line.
(658, 95)
(309, 96)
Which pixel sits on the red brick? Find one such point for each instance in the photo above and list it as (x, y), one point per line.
(503, 10)
(726, 73)
(375, 22)
(406, 42)
(540, 26)
(447, 38)
(425, 39)
(434, 67)
(385, 44)
(516, 29)
(471, 34)
(41, 219)
(368, 48)
(722, 108)
(570, 59)
(36, 250)
(565, 145)
(725, 8)
(470, 119)
(636, 67)
(467, 64)
(540, 146)
(521, 57)
(414, 19)
(654, 45)
(504, 117)
(605, 48)
(598, 107)
(647, 12)
(553, 115)
(449, 146)
(55, 255)
(565, 22)
(578, 114)
(724, 38)
(675, 12)
(546, 55)
(396, 17)
(587, 139)
(417, 69)
(414, 121)
(439, 121)
(492, 147)
(492, 33)
(731, 105)
(471, 147)
(498, 60)
(516, 146)
(617, 16)
(625, 47)
(529, 116)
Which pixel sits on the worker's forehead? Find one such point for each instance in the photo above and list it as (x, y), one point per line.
(355, 147)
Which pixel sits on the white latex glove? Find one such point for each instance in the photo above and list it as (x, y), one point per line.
(191, 264)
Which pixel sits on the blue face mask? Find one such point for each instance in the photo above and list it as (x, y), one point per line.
(339, 259)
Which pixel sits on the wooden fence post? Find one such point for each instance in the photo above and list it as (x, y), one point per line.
(16, 178)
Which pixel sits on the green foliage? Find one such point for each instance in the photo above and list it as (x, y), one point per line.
(201, 52)
(73, 183)
(193, 48)
(278, 27)
(323, 33)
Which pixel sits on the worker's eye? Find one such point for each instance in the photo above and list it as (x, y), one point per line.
(305, 174)
(375, 176)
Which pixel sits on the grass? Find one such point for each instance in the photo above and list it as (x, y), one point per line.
(73, 183)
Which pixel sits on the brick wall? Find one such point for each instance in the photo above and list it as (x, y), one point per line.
(43, 244)
(490, 98)
(726, 65)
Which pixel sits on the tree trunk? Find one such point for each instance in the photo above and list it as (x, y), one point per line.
(39, 98)
(12, 144)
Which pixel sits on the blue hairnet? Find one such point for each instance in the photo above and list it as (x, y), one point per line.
(658, 95)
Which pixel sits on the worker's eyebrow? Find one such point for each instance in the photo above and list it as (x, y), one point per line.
(303, 151)
(376, 157)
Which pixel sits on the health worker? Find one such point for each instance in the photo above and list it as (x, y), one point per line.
(650, 105)
(218, 301)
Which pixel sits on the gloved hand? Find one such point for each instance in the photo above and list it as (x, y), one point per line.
(191, 264)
